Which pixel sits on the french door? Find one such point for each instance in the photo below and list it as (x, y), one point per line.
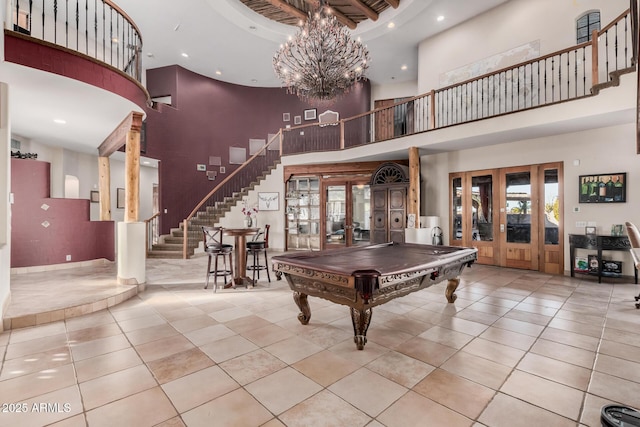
(474, 217)
(347, 213)
(511, 215)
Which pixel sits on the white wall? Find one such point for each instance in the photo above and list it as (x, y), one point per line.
(393, 91)
(85, 167)
(599, 151)
(505, 27)
(272, 183)
(5, 209)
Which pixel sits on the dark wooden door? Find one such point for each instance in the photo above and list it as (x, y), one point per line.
(397, 213)
(379, 226)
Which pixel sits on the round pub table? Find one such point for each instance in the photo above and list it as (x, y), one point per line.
(240, 267)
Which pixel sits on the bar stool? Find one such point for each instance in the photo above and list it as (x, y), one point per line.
(259, 244)
(214, 248)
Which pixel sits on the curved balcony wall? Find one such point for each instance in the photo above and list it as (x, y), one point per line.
(93, 41)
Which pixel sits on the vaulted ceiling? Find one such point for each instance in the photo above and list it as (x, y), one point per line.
(225, 40)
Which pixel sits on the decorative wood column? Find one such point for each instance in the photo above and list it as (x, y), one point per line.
(413, 198)
(127, 133)
(132, 174)
(104, 176)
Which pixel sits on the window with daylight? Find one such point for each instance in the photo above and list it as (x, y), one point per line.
(586, 24)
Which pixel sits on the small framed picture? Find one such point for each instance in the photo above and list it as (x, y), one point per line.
(310, 114)
(268, 201)
(286, 117)
(590, 231)
(120, 198)
(411, 221)
(603, 188)
(297, 120)
(200, 167)
(95, 196)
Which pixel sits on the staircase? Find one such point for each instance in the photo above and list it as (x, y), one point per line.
(172, 244)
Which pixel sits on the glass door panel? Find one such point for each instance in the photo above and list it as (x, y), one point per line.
(551, 242)
(551, 207)
(456, 197)
(518, 207)
(336, 211)
(482, 208)
(360, 214)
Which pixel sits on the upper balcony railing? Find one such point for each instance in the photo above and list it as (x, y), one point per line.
(95, 28)
(561, 76)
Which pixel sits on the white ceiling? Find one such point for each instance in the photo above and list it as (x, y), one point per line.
(217, 35)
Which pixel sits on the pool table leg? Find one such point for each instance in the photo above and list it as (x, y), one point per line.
(361, 320)
(305, 312)
(451, 289)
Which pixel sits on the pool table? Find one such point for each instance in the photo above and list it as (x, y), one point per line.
(367, 276)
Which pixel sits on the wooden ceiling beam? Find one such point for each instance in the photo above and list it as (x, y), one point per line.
(341, 17)
(366, 10)
(393, 3)
(117, 138)
(287, 8)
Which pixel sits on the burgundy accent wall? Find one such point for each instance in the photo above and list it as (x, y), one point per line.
(70, 232)
(209, 116)
(31, 53)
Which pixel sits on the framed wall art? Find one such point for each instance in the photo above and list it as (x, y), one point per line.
(120, 198)
(286, 117)
(268, 201)
(603, 188)
(297, 120)
(310, 114)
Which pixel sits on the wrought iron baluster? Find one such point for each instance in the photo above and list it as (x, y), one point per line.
(43, 9)
(118, 42)
(30, 20)
(606, 53)
(626, 41)
(55, 21)
(77, 25)
(104, 33)
(95, 28)
(546, 80)
(110, 35)
(560, 77)
(86, 26)
(553, 78)
(575, 72)
(538, 82)
(615, 45)
(66, 23)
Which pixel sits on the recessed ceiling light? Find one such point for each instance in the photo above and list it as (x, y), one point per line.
(150, 55)
(391, 25)
(218, 73)
(254, 81)
(253, 27)
(114, 40)
(60, 121)
(440, 18)
(186, 55)
(404, 67)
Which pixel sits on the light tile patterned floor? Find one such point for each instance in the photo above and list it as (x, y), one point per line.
(517, 348)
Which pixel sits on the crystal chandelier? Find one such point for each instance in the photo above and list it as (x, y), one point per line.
(322, 61)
